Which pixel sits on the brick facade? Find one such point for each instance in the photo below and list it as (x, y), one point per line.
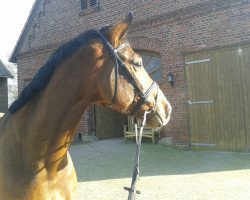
(3, 95)
(168, 27)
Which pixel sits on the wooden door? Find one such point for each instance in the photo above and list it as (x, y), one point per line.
(244, 61)
(218, 99)
(201, 101)
(109, 124)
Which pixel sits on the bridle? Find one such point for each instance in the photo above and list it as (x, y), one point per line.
(144, 96)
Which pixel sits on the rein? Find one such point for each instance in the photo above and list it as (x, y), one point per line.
(136, 173)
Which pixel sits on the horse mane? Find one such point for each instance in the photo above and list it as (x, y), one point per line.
(43, 76)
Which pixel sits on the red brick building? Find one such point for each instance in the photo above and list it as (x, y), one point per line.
(185, 35)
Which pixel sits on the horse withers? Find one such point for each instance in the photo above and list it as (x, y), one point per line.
(96, 67)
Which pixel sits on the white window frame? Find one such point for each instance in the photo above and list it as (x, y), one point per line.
(152, 54)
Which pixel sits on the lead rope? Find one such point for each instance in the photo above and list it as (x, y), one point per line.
(136, 173)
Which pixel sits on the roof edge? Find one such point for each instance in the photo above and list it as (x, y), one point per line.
(9, 74)
(13, 56)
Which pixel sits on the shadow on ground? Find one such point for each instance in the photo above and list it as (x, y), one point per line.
(113, 159)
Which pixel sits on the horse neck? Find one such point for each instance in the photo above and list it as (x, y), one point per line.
(55, 113)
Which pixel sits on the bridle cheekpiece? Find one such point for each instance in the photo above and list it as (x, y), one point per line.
(144, 96)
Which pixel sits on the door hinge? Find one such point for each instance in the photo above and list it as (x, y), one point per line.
(200, 102)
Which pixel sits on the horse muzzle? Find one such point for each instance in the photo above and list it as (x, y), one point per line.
(161, 116)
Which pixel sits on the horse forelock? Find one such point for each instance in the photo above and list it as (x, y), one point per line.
(43, 76)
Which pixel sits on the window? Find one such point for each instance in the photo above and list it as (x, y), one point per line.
(152, 64)
(93, 3)
(86, 4)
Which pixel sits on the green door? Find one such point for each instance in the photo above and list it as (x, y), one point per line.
(218, 99)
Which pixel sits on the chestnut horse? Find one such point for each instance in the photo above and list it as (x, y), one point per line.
(36, 132)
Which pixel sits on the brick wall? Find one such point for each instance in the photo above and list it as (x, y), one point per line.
(3, 95)
(55, 20)
(170, 28)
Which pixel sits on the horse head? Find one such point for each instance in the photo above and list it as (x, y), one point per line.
(124, 84)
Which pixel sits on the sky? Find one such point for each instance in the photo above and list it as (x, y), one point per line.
(13, 15)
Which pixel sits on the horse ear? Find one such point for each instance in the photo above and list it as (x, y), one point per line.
(116, 32)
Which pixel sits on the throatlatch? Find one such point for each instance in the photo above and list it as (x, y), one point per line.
(136, 173)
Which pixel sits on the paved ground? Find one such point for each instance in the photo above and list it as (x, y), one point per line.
(105, 167)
